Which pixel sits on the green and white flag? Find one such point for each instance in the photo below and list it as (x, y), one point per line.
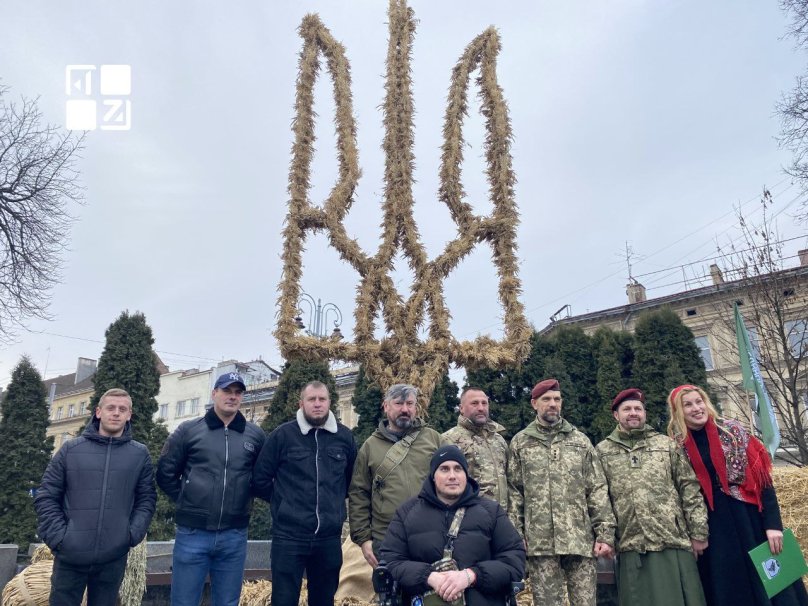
(753, 381)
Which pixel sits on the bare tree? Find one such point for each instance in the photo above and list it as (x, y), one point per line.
(38, 181)
(773, 299)
(793, 107)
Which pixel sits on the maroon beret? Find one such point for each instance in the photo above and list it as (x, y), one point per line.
(632, 393)
(544, 386)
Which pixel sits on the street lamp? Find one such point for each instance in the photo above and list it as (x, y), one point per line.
(318, 315)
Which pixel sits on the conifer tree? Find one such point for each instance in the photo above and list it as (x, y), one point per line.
(367, 403)
(24, 454)
(286, 400)
(665, 355)
(508, 389)
(573, 364)
(614, 356)
(129, 362)
(442, 411)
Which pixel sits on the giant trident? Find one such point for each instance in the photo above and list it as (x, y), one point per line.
(401, 355)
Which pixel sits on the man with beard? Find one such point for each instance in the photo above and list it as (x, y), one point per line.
(559, 503)
(390, 468)
(484, 448)
(304, 470)
(661, 517)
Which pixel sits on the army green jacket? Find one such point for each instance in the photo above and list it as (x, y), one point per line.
(558, 499)
(371, 501)
(487, 454)
(654, 492)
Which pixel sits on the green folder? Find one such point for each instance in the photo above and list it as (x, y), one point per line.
(779, 571)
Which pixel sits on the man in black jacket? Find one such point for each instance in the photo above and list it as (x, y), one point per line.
(304, 471)
(489, 554)
(206, 468)
(96, 501)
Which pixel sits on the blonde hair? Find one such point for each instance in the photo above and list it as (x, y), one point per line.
(677, 429)
(115, 392)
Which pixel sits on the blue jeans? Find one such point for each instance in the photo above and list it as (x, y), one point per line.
(321, 559)
(198, 553)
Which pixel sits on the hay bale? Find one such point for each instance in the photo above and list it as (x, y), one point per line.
(42, 552)
(31, 587)
(791, 484)
(256, 593)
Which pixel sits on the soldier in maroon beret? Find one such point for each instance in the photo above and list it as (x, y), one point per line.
(661, 519)
(632, 393)
(559, 502)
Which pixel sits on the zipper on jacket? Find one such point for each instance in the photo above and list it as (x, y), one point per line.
(317, 478)
(103, 499)
(224, 481)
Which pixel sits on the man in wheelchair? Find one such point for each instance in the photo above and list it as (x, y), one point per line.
(448, 545)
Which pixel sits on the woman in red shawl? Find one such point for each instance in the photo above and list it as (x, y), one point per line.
(734, 471)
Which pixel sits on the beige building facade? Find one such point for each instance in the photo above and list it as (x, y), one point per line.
(709, 313)
(69, 402)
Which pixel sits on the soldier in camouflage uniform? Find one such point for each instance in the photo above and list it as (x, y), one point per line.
(661, 518)
(559, 502)
(485, 450)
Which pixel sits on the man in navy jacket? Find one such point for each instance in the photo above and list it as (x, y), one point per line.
(96, 500)
(304, 470)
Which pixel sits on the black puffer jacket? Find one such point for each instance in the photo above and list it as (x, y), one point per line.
(206, 469)
(97, 497)
(487, 543)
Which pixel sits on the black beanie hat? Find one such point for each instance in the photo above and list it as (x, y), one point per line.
(447, 453)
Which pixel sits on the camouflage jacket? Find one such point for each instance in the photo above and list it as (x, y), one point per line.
(487, 454)
(654, 492)
(372, 503)
(558, 499)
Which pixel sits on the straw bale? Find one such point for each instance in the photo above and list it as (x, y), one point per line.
(42, 552)
(31, 587)
(791, 484)
(259, 593)
(256, 593)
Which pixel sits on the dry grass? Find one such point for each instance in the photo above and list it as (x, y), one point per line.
(31, 587)
(791, 484)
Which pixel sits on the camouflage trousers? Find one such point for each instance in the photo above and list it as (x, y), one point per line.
(554, 578)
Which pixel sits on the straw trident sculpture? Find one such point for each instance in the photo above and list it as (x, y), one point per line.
(400, 355)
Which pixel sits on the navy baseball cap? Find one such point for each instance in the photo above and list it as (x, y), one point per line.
(228, 379)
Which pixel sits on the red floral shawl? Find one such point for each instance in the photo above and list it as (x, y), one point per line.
(741, 462)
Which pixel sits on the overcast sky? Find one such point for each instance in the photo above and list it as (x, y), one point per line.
(634, 121)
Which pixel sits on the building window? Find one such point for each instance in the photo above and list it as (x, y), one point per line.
(82, 407)
(65, 438)
(691, 312)
(194, 407)
(58, 413)
(71, 410)
(797, 333)
(704, 349)
(180, 412)
(163, 411)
